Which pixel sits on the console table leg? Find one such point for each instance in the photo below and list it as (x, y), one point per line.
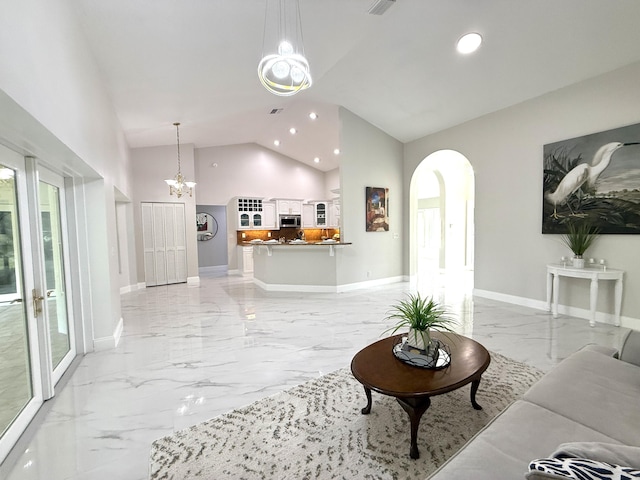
(474, 388)
(367, 410)
(618, 307)
(415, 409)
(556, 290)
(593, 300)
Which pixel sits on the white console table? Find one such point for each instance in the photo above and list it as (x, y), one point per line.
(554, 272)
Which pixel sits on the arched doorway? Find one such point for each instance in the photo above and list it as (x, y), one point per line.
(442, 234)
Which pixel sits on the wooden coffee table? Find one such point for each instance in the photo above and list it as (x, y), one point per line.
(377, 368)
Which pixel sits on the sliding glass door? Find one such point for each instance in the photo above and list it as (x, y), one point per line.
(20, 379)
(59, 329)
(37, 341)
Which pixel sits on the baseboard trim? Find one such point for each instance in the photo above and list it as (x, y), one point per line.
(193, 280)
(503, 297)
(601, 317)
(349, 287)
(132, 288)
(213, 270)
(108, 343)
(270, 287)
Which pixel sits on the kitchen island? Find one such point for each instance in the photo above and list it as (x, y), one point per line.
(298, 267)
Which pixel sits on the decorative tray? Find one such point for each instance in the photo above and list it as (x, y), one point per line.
(412, 356)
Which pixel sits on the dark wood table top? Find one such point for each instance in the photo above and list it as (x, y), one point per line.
(377, 368)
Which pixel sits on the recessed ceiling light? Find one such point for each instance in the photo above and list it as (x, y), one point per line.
(313, 115)
(292, 131)
(336, 151)
(317, 159)
(276, 143)
(469, 43)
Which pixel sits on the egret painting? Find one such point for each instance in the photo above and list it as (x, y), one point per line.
(594, 178)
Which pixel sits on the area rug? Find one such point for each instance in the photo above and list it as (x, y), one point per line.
(316, 431)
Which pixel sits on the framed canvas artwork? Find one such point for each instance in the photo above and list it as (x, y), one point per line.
(593, 179)
(377, 209)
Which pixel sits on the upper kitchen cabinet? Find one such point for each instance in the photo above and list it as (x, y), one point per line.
(334, 214)
(287, 206)
(269, 216)
(321, 214)
(308, 216)
(249, 213)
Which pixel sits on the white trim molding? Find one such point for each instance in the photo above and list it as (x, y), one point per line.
(107, 343)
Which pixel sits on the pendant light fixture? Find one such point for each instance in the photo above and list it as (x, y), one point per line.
(283, 70)
(178, 185)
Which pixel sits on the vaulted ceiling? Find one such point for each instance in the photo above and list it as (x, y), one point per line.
(195, 61)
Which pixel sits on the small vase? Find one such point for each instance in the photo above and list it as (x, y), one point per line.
(419, 340)
(578, 262)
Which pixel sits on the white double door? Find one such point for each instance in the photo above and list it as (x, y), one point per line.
(37, 341)
(165, 246)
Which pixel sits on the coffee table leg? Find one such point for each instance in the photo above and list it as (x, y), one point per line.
(415, 409)
(366, 410)
(474, 388)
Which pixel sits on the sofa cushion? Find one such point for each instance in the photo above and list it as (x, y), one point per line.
(580, 468)
(504, 448)
(594, 390)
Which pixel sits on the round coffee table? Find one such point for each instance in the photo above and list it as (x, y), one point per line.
(377, 368)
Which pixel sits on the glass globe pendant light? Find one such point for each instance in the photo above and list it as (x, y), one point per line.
(286, 71)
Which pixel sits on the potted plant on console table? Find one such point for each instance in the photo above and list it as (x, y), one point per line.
(579, 238)
(421, 315)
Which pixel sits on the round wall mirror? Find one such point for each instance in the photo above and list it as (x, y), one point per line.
(206, 226)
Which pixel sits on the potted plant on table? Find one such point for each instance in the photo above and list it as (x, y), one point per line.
(578, 239)
(421, 315)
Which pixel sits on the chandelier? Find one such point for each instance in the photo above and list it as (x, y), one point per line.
(284, 70)
(179, 185)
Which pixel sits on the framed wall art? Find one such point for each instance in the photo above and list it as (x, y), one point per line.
(377, 209)
(593, 179)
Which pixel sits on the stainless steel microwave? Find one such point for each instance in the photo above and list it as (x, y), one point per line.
(290, 221)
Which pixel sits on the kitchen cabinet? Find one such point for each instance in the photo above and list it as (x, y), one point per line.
(308, 215)
(320, 214)
(334, 214)
(269, 217)
(288, 206)
(245, 260)
(250, 214)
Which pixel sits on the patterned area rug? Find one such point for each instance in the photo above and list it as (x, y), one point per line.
(316, 431)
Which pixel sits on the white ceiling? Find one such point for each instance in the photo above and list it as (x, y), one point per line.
(194, 61)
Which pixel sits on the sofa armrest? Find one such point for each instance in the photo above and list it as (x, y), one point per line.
(630, 351)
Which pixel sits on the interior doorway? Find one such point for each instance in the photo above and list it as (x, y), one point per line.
(442, 205)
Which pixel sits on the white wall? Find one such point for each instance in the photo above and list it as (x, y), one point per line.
(53, 106)
(253, 171)
(505, 150)
(369, 158)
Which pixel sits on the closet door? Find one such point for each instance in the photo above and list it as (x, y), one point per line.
(164, 239)
(147, 241)
(159, 244)
(180, 243)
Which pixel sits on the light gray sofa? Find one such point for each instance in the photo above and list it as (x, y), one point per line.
(589, 397)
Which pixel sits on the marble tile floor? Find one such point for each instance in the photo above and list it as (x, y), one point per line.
(189, 353)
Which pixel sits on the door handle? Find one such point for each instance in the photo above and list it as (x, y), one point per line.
(37, 302)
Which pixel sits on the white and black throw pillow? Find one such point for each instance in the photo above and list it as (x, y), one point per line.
(583, 469)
